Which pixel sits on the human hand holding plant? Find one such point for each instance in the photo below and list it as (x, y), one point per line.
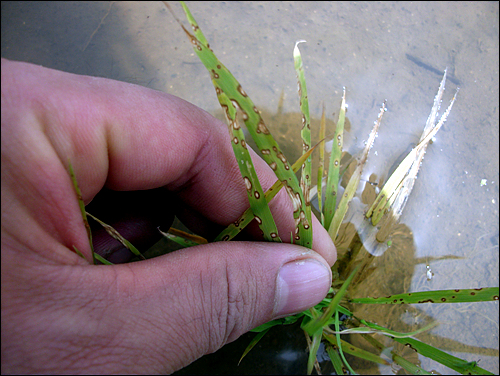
(60, 314)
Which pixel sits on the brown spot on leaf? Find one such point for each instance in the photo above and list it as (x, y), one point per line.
(241, 91)
(235, 103)
(261, 128)
(281, 156)
(248, 184)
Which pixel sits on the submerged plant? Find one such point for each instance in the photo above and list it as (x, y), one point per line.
(332, 317)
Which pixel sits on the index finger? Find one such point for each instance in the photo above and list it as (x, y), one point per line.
(129, 138)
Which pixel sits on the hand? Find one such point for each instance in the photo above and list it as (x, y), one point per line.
(60, 314)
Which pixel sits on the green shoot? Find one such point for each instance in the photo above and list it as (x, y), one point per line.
(305, 181)
(438, 296)
(224, 82)
(332, 182)
(235, 228)
(82, 210)
(314, 325)
(321, 166)
(354, 181)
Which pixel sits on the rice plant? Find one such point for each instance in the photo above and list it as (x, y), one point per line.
(334, 316)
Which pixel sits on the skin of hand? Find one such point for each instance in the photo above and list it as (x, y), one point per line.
(61, 314)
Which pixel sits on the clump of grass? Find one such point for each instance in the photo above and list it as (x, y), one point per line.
(322, 322)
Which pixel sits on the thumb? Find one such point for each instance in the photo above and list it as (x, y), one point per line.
(209, 295)
(161, 314)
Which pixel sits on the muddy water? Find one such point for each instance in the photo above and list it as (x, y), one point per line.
(377, 51)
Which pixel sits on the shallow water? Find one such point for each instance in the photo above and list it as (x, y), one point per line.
(377, 51)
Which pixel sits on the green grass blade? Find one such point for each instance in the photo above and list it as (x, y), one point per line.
(354, 180)
(252, 343)
(437, 296)
(459, 365)
(81, 204)
(305, 133)
(256, 198)
(264, 328)
(282, 321)
(77, 251)
(326, 302)
(235, 228)
(409, 367)
(406, 364)
(99, 258)
(313, 351)
(353, 350)
(314, 325)
(335, 358)
(321, 165)
(332, 182)
(374, 328)
(339, 342)
(225, 82)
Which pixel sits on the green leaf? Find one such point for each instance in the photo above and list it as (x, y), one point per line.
(353, 350)
(81, 204)
(450, 361)
(335, 358)
(314, 325)
(374, 328)
(224, 82)
(332, 182)
(254, 341)
(437, 296)
(313, 351)
(305, 133)
(237, 226)
(352, 186)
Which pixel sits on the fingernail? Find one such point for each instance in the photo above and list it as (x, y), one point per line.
(300, 285)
